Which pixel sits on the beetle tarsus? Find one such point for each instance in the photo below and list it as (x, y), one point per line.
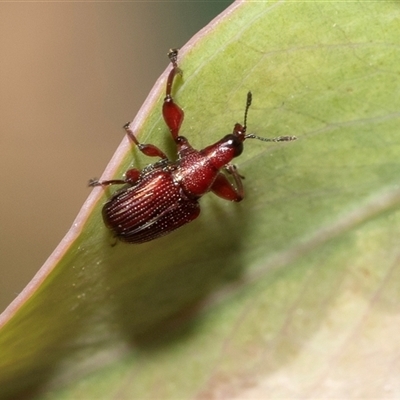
(173, 56)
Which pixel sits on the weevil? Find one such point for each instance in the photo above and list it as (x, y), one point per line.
(165, 195)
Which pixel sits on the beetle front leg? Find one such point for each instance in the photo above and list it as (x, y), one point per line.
(224, 189)
(172, 113)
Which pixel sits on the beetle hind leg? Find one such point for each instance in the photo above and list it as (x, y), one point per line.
(96, 182)
(131, 177)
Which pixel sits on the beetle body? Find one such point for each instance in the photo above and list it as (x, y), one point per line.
(154, 206)
(164, 196)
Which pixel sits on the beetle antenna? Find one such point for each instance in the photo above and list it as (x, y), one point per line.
(252, 136)
(276, 139)
(248, 104)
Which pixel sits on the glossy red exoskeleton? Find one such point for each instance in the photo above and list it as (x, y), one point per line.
(165, 195)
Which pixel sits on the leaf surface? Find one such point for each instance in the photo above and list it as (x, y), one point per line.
(291, 293)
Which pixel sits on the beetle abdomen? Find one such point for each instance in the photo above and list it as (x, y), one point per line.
(150, 209)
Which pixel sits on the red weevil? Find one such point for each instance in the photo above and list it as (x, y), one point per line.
(165, 195)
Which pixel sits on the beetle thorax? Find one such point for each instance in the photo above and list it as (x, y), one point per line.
(195, 174)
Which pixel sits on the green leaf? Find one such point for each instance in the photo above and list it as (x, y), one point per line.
(293, 292)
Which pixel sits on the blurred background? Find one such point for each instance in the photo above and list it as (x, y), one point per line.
(71, 74)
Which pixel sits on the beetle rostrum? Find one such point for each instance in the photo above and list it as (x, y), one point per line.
(165, 195)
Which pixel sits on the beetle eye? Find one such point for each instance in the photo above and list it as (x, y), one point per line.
(233, 142)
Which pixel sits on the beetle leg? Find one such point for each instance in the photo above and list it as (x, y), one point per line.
(131, 177)
(96, 182)
(223, 188)
(147, 149)
(172, 113)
